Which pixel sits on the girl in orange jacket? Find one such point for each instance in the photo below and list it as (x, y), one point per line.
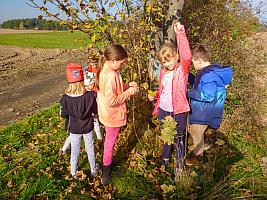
(111, 100)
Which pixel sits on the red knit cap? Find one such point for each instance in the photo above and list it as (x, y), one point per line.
(74, 73)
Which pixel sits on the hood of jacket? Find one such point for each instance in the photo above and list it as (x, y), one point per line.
(224, 73)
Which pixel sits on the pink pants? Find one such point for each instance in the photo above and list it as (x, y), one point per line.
(110, 141)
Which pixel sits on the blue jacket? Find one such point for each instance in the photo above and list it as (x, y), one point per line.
(208, 95)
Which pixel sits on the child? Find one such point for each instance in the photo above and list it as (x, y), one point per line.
(89, 84)
(207, 98)
(111, 99)
(171, 95)
(79, 105)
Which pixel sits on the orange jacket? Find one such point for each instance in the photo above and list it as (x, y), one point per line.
(111, 98)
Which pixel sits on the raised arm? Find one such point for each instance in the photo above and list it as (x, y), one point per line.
(183, 47)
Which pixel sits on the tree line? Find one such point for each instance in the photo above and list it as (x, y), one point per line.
(34, 23)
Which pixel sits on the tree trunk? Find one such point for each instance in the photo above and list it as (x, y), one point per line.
(173, 15)
(166, 32)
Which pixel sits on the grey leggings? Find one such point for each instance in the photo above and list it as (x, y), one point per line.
(96, 129)
(75, 140)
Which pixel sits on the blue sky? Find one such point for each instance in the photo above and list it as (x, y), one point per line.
(15, 9)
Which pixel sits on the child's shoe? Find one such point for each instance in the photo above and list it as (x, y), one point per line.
(106, 176)
(194, 160)
(206, 147)
(95, 172)
(162, 165)
(200, 159)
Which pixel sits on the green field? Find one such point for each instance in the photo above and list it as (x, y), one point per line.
(62, 39)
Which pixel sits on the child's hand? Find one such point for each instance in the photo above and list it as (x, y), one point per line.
(177, 26)
(136, 89)
(133, 90)
(150, 97)
(133, 84)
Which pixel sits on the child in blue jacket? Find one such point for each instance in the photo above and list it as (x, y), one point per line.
(207, 97)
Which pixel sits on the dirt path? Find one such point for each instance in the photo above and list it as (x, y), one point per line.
(32, 79)
(16, 31)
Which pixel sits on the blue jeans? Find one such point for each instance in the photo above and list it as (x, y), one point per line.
(179, 139)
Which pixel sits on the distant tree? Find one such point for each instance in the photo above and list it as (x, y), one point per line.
(33, 23)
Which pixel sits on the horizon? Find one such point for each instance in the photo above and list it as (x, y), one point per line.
(18, 9)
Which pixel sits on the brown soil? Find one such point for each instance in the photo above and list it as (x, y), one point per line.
(15, 31)
(32, 79)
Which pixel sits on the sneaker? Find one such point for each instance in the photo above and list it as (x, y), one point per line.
(194, 160)
(200, 159)
(206, 147)
(115, 162)
(162, 165)
(106, 176)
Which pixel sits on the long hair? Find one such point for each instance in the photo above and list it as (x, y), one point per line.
(112, 51)
(76, 88)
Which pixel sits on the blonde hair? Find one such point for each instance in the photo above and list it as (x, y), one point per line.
(76, 88)
(167, 52)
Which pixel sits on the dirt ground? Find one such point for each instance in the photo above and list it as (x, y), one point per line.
(15, 31)
(32, 79)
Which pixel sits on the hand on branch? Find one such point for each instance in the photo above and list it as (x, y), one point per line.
(177, 26)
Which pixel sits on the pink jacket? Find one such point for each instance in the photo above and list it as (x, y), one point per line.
(180, 78)
(111, 98)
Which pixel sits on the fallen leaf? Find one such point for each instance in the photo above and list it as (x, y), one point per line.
(167, 188)
(193, 174)
(10, 184)
(220, 142)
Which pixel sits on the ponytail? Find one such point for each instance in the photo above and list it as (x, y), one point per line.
(112, 51)
(100, 65)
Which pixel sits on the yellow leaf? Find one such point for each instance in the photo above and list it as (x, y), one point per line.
(144, 85)
(149, 8)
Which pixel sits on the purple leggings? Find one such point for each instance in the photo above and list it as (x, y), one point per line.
(110, 141)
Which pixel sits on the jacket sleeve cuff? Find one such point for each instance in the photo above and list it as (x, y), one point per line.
(181, 30)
